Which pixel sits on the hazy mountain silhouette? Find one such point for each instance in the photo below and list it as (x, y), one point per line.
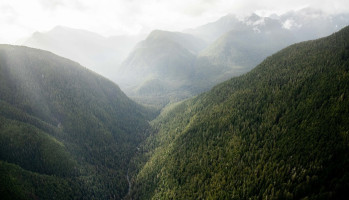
(100, 54)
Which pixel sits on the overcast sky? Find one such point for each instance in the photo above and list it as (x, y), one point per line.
(20, 18)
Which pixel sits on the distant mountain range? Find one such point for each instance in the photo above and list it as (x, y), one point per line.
(169, 69)
(307, 24)
(171, 66)
(100, 54)
(240, 44)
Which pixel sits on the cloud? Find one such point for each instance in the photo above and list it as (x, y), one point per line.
(8, 14)
(288, 24)
(19, 18)
(55, 4)
(52, 4)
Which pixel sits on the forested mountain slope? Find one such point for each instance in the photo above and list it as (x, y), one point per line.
(65, 132)
(277, 132)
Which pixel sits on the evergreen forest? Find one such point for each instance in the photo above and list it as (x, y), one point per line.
(279, 131)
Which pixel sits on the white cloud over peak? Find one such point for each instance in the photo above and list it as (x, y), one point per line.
(19, 18)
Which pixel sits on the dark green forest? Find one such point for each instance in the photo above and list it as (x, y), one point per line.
(280, 131)
(65, 132)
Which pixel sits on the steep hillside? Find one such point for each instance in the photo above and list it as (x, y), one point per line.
(65, 132)
(165, 61)
(100, 54)
(277, 132)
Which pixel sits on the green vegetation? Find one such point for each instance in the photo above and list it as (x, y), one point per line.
(20, 141)
(65, 132)
(17, 183)
(278, 132)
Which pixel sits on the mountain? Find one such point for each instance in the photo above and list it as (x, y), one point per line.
(239, 50)
(172, 66)
(160, 66)
(306, 24)
(309, 23)
(253, 38)
(213, 30)
(277, 132)
(100, 54)
(65, 131)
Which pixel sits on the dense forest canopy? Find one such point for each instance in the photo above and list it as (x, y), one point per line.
(63, 125)
(277, 132)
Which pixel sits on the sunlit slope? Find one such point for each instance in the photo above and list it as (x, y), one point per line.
(277, 132)
(63, 125)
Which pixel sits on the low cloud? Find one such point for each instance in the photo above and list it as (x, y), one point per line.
(52, 4)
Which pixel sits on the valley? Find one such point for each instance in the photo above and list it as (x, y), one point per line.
(252, 107)
(275, 132)
(165, 67)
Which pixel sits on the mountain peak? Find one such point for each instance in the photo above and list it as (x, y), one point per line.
(157, 33)
(67, 31)
(254, 17)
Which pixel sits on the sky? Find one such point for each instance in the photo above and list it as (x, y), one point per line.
(20, 18)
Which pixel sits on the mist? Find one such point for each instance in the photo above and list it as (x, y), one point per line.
(195, 99)
(160, 52)
(165, 66)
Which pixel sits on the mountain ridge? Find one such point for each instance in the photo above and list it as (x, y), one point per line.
(235, 46)
(100, 54)
(277, 132)
(161, 66)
